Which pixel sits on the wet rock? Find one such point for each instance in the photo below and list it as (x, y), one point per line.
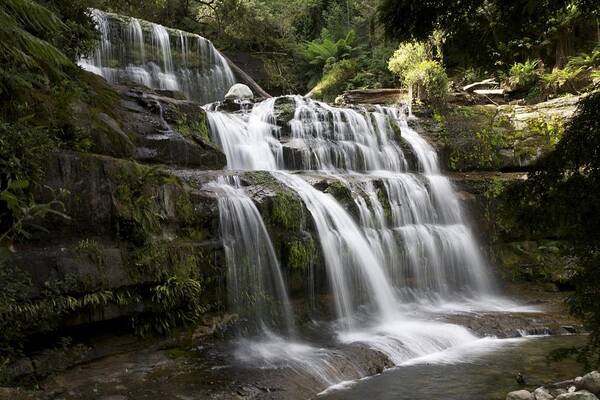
(589, 382)
(172, 148)
(542, 393)
(520, 395)
(579, 395)
(239, 91)
(109, 138)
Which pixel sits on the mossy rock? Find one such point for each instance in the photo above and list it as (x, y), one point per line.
(285, 109)
(342, 193)
(287, 211)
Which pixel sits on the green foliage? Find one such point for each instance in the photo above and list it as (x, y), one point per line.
(406, 57)
(91, 249)
(176, 302)
(23, 152)
(161, 306)
(322, 54)
(505, 31)
(562, 80)
(522, 76)
(431, 81)
(335, 79)
(415, 68)
(137, 202)
(553, 128)
(586, 60)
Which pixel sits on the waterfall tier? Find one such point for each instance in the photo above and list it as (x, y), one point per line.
(133, 50)
(392, 234)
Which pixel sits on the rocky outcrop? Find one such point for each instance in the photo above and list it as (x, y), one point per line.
(580, 388)
(492, 138)
(131, 230)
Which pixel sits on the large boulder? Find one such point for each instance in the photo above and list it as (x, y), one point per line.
(590, 382)
(520, 395)
(239, 91)
(579, 395)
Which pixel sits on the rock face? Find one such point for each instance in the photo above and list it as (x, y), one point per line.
(590, 382)
(239, 91)
(520, 395)
(491, 138)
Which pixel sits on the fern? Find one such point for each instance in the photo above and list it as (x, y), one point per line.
(586, 60)
(21, 23)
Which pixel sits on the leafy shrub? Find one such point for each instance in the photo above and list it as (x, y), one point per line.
(562, 80)
(416, 69)
(522, 76)
(431, 81)
(23, 153)
(407, 56)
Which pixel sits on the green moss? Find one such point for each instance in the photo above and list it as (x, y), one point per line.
(285, 109)
(301, 254)
(184, 209)
(188, 128)
(163, 259)
(395, 128)
(383, 198)
(287, 211)
(263, 179)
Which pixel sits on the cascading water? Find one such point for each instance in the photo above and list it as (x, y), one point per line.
(160, 58)
(408, 249)
(255, 284)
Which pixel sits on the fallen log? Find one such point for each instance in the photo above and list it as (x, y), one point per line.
(484, 83)
(373, 96)
(489, 92)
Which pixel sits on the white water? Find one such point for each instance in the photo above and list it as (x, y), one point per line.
(409, 255)
(157, 57)
(255, 284)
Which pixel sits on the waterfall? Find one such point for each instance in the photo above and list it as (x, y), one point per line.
(406, 253)
(255, 284)
(159, 58)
